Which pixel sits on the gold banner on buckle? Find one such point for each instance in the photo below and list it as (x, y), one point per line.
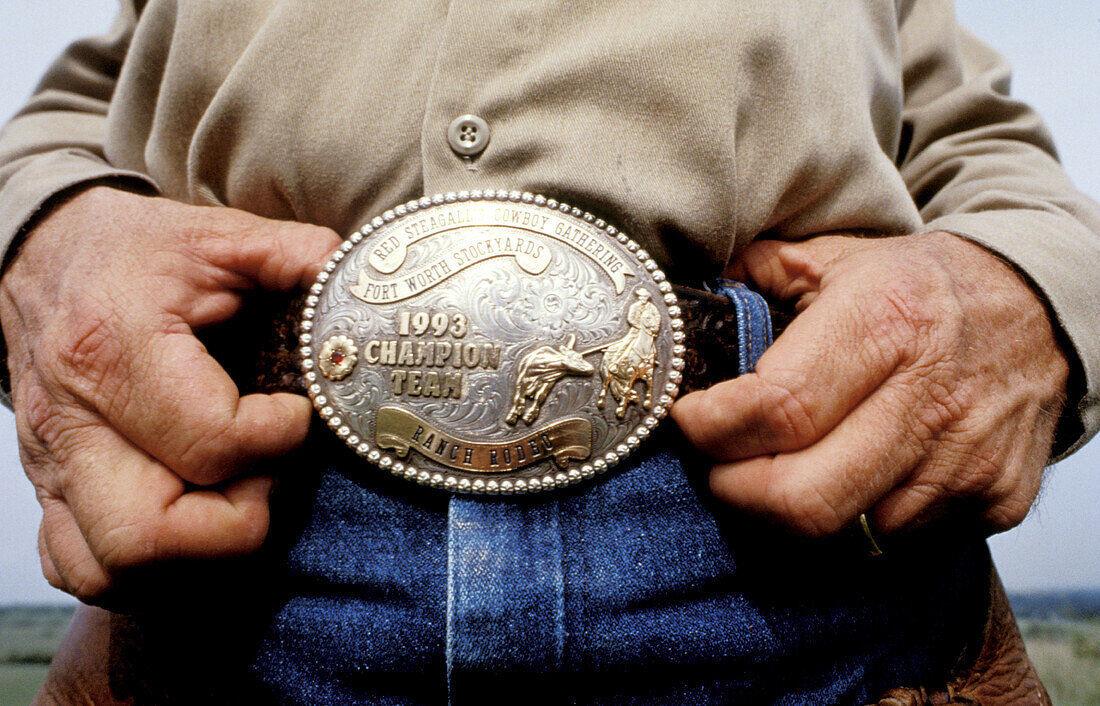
(399, 430)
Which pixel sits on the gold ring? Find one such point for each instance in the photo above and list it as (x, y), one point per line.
(875, 549)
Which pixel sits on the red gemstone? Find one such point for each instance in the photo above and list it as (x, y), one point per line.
(337, 357)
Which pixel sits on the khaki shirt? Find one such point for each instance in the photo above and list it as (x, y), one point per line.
(696, 126)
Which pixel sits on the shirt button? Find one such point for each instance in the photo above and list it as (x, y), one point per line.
(468, 135)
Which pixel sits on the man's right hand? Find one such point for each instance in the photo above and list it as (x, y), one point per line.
(136, 440)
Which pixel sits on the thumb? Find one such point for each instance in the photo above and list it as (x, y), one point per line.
(785, 270)
(276, 255)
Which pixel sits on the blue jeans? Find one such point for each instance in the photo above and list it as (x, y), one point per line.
(637, 588)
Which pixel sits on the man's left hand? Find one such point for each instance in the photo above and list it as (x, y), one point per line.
(920, 378)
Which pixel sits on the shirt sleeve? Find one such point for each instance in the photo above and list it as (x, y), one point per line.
(982, 165)
(57, 140)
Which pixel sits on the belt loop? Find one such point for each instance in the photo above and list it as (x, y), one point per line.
(753, 320)
(505, 599)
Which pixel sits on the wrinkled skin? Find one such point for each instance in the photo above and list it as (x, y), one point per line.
(135, 439)
(920, 380)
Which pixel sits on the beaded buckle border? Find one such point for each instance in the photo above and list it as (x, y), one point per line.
(365, 396)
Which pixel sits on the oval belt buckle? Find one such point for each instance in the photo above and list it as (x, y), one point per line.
(492, 342)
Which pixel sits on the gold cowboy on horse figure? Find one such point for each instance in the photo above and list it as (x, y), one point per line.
(633, 357)
(626, 361)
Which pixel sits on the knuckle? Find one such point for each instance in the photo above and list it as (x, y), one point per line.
(910, 313)
(704, 423)
(211, 225)
(320, 239)
(805, 508)
(964, 470)
(925, 298)
(946, 396)
(213, 235)
(1008, 513)
(125, 545)
(912, 505)
(788, 413)
(209, 454)
(49, 571)
(252, 530)
(935, 402)
(278, 264)
(87, 581)
(900, 312)
(36, 417)
(282, 257)
(48, 432)
(704, 419)
(272, 251)
(54, 579)
(86, 351)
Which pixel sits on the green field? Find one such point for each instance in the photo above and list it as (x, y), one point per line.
(1067, 655)
(19, 683)
(28, 637)
(1066, 651)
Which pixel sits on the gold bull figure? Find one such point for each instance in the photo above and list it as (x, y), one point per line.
(538, 371)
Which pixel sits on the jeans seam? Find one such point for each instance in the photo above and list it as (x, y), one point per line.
(559, 590)
(449, 650)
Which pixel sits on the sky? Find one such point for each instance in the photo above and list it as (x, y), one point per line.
(1054, 46)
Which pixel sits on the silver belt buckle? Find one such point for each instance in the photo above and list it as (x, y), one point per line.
(492, 342)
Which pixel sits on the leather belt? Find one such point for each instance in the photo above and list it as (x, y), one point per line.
(259, 346)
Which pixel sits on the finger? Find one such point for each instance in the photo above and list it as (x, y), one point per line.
(167, 395)
(49, 571)
(64, 556)
(276, 255)
(786, 270)
(821, 489)
(241, 507)
(828, 360)
(124, 510)
(132, 510)
(69, 563)
(994, 481)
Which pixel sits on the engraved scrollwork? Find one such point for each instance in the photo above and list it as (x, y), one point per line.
(478, 417)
